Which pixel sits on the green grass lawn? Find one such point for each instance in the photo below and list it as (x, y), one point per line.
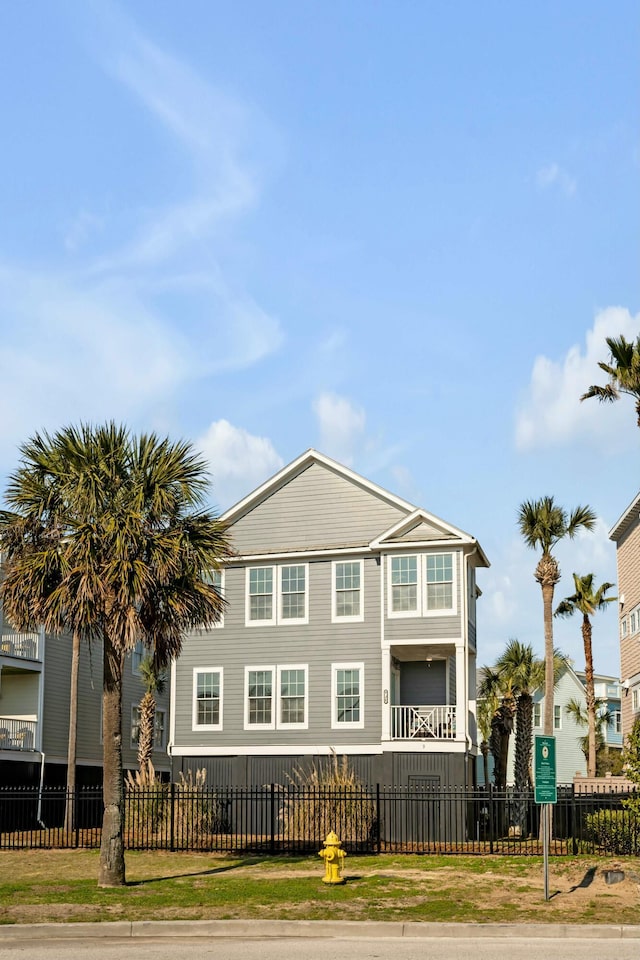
(60, 885)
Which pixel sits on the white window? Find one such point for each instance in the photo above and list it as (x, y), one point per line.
(617, 721)
(292, 602)
(422, 585)
(137, 656)
(623, 627)
(347, 695)
(293, 594)
(537, 715)
(158, 729)
(557, 717)
(260, 588)
(347, 600)
(292, 697)
(207, 698)
(635, 699)
(266, 711)
(632, 622)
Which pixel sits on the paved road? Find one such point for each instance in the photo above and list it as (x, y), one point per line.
(436, 948)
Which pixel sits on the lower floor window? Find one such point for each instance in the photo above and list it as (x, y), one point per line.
(347, 695)
(158, 728)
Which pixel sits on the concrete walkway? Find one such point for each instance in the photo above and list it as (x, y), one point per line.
(331, 929)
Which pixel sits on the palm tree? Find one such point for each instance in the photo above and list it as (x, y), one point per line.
(519, 667)
(154, 680)
(543, 524)
(107, 535)
(623, 371)
(498, 692)
(574, 708)
(487, 708)
(586, 600)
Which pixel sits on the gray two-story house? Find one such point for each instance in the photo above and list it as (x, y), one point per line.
(350, 626)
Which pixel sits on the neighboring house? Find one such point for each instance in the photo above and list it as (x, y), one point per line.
(570, 760)
(34, 710)
(626, 536)
(349, 627)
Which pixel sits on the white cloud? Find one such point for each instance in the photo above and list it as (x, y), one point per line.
(341, 426)
(554, 176)
(551, 412)
(239, 461)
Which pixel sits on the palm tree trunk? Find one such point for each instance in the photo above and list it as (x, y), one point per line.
(145, 734)
(484, 749)
(547, 603)
(69, 819)
(590, 695)
(111, 871)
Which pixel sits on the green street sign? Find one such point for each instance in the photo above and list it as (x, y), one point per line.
(544, 769)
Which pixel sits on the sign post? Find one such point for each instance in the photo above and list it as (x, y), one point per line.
(546, 792)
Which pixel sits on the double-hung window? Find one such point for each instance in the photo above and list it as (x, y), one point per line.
(277, 595)
(158, 728)
(422, 585)
(347, 600)
(557, 717)
(347, 695)
(276, 697)
(635, 699)
(537, 715)
(207, 698)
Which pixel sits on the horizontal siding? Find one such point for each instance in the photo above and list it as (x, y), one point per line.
(318, 508)
(317, 644)
(628, 559)
(432, 627)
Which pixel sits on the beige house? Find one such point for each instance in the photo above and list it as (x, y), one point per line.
(626, 536)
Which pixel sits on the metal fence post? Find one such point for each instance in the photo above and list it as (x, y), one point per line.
(272, 812)
(378, 820)
(172, 816)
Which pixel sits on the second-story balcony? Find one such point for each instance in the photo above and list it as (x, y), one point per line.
(24, 646)
(17, 734)
(422, 722)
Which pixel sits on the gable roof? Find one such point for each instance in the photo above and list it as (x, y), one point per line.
(624, 522)
(422, 528)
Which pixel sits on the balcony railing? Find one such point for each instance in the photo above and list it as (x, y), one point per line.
(23, 645)
(423, 722)
(17, 734)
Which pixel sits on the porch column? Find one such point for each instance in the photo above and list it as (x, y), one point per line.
(461, 692)
(386, 694)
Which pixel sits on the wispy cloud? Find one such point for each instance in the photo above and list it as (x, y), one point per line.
(239, 461)
(551, 412)
(341, 426)
(553, 176)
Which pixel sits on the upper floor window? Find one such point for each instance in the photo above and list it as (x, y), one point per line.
(557, 717)
(635, 699)
(216, 578)
(291, 605)
(347, 695)
(158, 728)
(422, 585)
(617, 721)
(537, 715)
(137, 656)
(276, 697)
(632, 622)
(623, 627)
(207, 698)
(347, 591)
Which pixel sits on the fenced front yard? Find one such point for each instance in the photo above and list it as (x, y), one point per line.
(179, 817)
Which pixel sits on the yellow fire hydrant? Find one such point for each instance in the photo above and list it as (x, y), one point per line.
(333, 857)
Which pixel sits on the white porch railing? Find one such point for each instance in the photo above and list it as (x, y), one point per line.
(17, 734)
(421, 722)
(23, 645)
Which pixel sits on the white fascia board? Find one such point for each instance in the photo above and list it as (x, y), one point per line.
(424, 746)
(240, 559)
(625, 519)
(291, 749)
(305, 459)
(456, 537)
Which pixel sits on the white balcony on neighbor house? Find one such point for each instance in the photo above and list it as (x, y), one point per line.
(17, 734)
(23, 646)
(435, 722)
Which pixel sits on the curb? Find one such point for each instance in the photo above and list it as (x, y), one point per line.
(300, 929)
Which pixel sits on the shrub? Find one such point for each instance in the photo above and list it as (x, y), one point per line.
(614, 831)
(145, 803)
(327, 797)
(198, 812)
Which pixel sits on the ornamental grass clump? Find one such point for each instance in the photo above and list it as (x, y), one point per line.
(324, 797)
(145, 805)
(198, 812)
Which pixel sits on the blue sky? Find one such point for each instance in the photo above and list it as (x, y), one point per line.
(398, 232)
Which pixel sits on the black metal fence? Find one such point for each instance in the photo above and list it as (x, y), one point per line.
(296, 820)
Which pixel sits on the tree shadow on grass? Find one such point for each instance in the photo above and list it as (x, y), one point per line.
(225, 868)
(586, 881)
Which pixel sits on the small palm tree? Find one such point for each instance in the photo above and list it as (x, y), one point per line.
(487, 708)
(499, 694)
(520, 667)
(543, 523)
(623, 371)
(106, 535)
(154, 679)
(586, 600)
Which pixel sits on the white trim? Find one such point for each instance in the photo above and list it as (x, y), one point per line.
(247, 598)
(195, 726)
(41, 680)
(352, 724)
(172, 708)
(260, 726)
(280, 724)
(422, 609)
(281, 619)
(335, 618)
(287, 750)
(425, 746)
